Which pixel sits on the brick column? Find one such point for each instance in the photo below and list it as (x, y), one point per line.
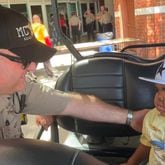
(127, 18)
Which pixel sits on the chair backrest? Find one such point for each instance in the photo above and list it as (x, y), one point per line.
(114, 80)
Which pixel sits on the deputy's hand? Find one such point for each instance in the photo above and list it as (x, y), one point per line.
(44, 121)
(137, 121)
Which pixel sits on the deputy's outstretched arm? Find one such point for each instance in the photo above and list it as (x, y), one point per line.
(93, 109)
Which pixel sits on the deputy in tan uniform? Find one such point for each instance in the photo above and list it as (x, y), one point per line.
(75, 27)
(89, 20)
(106, 21)
(99, 18)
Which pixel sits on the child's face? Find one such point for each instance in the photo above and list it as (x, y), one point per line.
(159, 100)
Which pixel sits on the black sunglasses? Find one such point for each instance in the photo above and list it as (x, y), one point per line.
(17, 59)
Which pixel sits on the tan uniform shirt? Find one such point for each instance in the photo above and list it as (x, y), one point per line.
(10, 123)
(40, 100)
(99, 16)
(43, 100)
(106, 18)
(89, 18)
(74, 21)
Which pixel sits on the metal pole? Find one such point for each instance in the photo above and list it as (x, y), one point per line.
(61, 36)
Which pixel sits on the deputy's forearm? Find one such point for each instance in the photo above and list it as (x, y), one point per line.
(92, 108)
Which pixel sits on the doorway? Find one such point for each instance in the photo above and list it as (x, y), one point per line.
(83, 7)
(21, 8)
(37, 10)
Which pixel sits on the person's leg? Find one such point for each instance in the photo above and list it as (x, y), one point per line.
(63, 29)
(92, 34)
(74, 34)
(104, 28)
(78, 35)
(48, 68)
(92, 31)
(107, 27)
(100, 28)
(110, 27)
(88, 31)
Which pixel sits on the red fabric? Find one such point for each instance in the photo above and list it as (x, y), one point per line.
(62, 22)
(48, 41)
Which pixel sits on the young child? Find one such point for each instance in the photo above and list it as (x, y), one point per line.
(152, 142)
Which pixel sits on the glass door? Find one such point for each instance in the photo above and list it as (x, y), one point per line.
(21, 8)
(83, 8)
(71, 7)
(37, 10)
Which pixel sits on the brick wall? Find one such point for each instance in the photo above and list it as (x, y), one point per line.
(149, 23)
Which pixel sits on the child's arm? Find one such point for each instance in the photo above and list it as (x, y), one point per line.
(141, 154)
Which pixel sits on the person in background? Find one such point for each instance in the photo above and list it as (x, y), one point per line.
(42, 36)
(106, 21)
(152, 142)
(20, 52)
(75, 27)
(53, 32)
(99, 18)
(62, 23)
(89, 20)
